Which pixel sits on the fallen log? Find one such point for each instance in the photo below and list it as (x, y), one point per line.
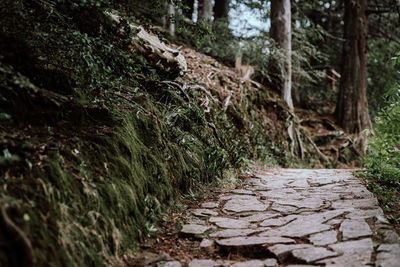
(148, 45)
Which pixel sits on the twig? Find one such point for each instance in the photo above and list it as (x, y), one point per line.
(132, 102)
(203, 89)
(171, 83)
(227, 100)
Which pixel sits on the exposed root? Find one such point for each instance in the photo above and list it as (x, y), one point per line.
(20, 246)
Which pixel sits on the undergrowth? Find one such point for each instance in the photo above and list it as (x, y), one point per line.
(93, 145)
(382, 163)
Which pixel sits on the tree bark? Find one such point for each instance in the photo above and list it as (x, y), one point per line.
(352, 106)
(205, 10)
(221, 9)
(281, 32)
(171, 19)
(188, 11)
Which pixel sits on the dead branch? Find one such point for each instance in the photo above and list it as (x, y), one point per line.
(150, 46)
(171, 83)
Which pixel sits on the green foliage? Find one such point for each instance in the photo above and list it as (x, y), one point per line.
(89, 172)
(383, 159)
(382, 162)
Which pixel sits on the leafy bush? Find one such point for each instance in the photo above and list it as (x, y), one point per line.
(382, 163)
(384, 158)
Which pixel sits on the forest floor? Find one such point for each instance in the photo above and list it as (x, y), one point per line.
(278, 217)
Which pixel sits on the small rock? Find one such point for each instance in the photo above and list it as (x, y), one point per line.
(202, 263)
(206, 243)
(354, 229)
(389, 236)
(194, 229)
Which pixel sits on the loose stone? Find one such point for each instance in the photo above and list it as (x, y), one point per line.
(194, 229)
(206, 243)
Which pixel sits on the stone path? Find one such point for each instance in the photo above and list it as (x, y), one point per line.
(290, 217)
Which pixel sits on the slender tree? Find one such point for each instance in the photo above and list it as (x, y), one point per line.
(281, 32)
(352, 106)
(221, 9)
(205, 10)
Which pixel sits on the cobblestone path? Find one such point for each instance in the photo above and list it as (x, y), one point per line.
(289, 217)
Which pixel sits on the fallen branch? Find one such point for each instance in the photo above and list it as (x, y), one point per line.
(171, 83)
(150, 46)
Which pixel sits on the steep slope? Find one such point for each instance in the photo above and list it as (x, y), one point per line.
(96, 139)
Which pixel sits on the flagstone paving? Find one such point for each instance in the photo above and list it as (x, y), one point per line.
(289, 217)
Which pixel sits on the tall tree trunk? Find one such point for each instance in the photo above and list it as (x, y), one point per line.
(205, 10)
(171, 19)
(281, 32)
(189, 8)
(352, 106)
(221, 9)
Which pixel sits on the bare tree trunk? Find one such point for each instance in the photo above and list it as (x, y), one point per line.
(221, 9)
(281, 32)
(171, 19)
(352, 106)
(205, 11)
